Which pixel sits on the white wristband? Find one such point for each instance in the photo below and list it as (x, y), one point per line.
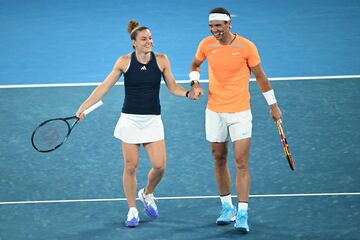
(270, 97)
(194, 75)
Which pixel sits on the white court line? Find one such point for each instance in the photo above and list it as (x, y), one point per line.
(178, 81)
(183, 197)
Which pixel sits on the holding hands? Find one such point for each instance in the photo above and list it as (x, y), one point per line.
(195, 92)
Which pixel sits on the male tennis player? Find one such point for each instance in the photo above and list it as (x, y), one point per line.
(231, 60)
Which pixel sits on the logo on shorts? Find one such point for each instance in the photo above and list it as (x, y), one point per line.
(143, 68)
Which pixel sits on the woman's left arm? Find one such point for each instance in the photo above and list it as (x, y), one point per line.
(171, 84)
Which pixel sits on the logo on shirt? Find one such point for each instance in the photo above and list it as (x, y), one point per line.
(235, 53)
(143, 68)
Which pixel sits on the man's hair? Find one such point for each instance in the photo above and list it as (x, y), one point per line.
(220, 10)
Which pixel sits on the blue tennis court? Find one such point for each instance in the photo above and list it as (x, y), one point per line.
(53, 54)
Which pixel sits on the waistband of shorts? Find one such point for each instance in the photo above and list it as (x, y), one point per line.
(243, 112)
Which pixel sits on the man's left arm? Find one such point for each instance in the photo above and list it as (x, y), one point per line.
(267, 90)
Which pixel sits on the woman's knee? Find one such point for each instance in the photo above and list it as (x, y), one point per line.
(130, 169)
(159, 167)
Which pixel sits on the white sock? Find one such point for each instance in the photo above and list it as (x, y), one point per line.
(243, 206)
(226, 199)
(133, 212)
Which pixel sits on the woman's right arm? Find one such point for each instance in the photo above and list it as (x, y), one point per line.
(101, 90)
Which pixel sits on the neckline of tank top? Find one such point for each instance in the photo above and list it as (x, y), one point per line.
(136, 58)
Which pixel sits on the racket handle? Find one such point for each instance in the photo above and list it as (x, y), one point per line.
(93, 107)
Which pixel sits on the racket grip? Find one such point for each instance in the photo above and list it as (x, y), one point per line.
(93, 107)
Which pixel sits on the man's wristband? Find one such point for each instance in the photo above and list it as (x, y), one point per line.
(187, 93)
(270, 97)
(194, 77)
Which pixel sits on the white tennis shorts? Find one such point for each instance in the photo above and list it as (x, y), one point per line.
(220, 125)
(136, 128)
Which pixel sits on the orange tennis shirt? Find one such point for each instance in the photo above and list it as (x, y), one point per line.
(229, 72)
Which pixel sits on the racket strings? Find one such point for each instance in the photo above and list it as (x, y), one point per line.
(51, 134)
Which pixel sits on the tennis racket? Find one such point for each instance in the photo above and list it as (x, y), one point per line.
(285, 145)
(53, 133)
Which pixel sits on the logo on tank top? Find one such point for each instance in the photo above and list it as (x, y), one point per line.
(143, 68)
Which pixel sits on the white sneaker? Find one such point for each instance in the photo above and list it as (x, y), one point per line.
(149, 203)
(132, 219)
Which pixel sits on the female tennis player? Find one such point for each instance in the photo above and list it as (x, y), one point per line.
(140, 121)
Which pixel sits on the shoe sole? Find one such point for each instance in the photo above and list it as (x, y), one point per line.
(242, 230)
(222, 222)
(149, 213)
(131, 226)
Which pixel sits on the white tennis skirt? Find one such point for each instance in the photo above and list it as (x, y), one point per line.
(136, 128)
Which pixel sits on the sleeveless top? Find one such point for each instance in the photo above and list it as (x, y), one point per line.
(142, 87)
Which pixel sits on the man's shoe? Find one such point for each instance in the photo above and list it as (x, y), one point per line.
(228, 214)
(241, 222)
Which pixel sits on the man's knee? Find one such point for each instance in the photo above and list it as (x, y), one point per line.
(242, 163)
(220, 156)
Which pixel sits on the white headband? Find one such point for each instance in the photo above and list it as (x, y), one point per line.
(219, 16)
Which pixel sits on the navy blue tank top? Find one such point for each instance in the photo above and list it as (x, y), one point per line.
(142, 87)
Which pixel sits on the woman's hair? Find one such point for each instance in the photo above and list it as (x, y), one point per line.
(133, 28)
